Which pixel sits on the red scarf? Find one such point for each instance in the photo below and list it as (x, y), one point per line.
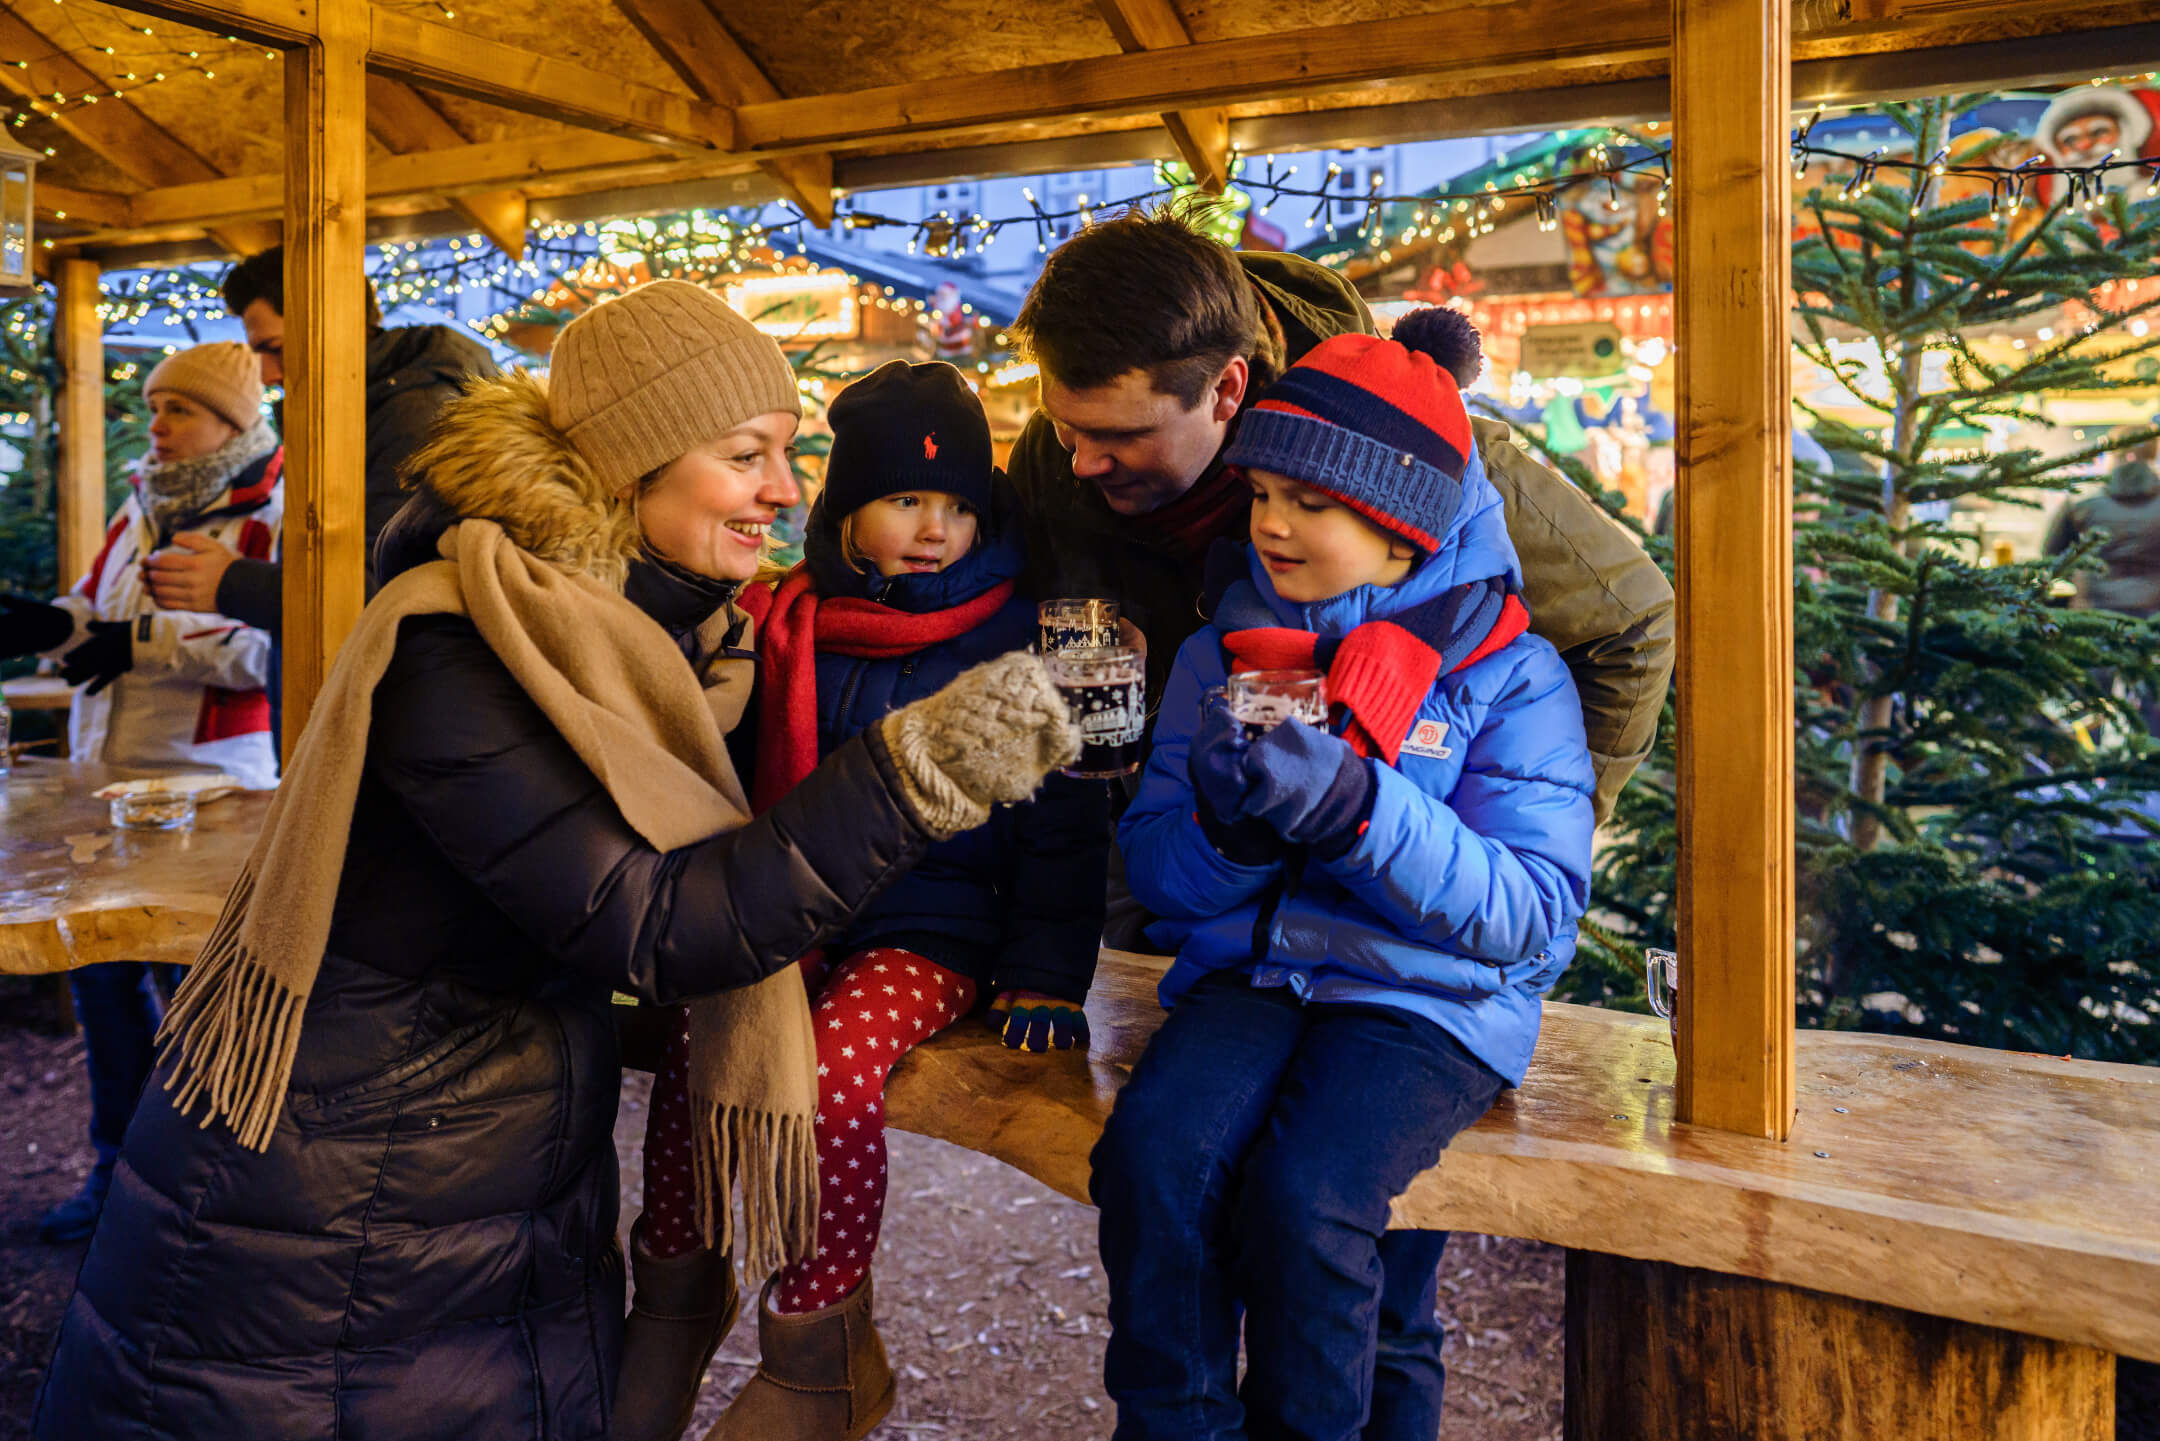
(1381, 672)
(794, 624)
(1191, 523)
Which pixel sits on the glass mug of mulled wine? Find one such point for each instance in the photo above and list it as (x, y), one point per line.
(1077, 624)
(1260, 700)
(1105, 688)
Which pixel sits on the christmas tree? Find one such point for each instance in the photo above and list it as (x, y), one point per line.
(1976, 786)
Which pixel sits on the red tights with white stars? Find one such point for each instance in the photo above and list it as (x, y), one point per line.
(873, 1007)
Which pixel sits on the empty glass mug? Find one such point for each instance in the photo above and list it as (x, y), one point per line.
(1105, 687)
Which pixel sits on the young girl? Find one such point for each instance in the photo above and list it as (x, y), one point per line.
(908, 579)
(1365, 916)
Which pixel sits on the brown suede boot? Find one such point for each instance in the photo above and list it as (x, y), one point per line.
(823, 1376)
(680, 1312)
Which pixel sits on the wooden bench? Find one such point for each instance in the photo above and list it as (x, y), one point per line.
(2004, 1190)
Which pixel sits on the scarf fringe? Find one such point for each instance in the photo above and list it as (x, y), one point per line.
(776, 1154)
(232, 1031)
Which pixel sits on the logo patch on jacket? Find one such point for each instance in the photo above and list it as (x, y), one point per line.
(1427, 738)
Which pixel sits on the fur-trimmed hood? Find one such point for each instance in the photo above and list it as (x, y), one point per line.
(492, 454)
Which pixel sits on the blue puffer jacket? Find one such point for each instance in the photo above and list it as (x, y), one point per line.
(1460, 900)
(1016, 904)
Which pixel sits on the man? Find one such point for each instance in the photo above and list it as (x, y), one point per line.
(2127, 516)
(1151, 340)
(412, 372)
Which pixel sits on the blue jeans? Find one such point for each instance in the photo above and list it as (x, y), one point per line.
(119, 1007)
(1249, 1163)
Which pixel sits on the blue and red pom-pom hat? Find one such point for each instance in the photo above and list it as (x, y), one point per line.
(1376, 425)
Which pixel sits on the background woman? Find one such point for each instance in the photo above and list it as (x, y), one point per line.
(161, 687)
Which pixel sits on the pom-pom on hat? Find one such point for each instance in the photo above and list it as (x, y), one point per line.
(645, 378)
(224, 377)
(908, 427)
(1373, 423)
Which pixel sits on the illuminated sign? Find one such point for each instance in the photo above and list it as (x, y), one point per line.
(799, 307)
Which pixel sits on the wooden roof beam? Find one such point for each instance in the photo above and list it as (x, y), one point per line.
(1529, 45)
(113, 130)
(405, 121)
(452, 172)
(442, 57)
(1480, 41)
(84, 207)
(1201, 136)
(438, 57)
(700, 49)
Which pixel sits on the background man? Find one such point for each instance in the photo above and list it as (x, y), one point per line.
(412, 371)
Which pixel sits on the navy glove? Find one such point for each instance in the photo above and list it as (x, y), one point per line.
(1309, 786)
(1032, 1021)
(1214, 764)
(102, 659)
(28, 626)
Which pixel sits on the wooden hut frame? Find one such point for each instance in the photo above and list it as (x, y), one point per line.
(1655, 1349)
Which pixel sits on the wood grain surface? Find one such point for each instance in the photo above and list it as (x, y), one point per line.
(1996, 1187)
(75, 891)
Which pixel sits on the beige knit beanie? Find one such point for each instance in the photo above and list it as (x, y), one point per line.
(656, 372)
(225, 376)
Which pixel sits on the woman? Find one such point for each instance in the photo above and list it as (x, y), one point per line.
(174, 687)
(164, 687)
(375, 1192)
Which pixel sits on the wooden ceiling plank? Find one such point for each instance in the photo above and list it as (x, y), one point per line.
(711, 61)
(437, 57)
(1201, 136)
(404, 120)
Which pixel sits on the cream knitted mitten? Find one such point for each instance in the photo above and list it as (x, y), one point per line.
(989, 737)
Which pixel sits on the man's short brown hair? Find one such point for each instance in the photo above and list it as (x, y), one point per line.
(1145, 290)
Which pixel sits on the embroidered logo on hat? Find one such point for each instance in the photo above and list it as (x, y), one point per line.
(929, 446)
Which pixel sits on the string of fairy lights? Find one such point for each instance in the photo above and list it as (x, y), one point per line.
(163, 53)
(589, 256)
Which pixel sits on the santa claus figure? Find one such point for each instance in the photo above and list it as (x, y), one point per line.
(2082, 126)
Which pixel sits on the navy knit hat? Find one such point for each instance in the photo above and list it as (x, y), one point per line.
(1373, 423)
(907, 427)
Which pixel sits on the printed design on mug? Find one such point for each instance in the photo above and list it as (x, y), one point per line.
(1428, 738)
(1111, 714)
(929, 446)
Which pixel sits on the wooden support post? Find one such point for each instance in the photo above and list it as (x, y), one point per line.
(325, 349)
(1731, 86)
(1657, 1352)
(79, 496)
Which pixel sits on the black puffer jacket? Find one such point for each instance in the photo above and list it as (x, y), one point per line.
(427, 1249)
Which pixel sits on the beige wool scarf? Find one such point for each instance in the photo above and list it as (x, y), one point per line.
(615, 686)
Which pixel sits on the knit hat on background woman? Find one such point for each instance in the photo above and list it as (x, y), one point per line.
(649, 376)
(1376, 424)
(908, 427)
(224, 377)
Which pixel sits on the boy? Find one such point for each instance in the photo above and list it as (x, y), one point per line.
(1365, 920)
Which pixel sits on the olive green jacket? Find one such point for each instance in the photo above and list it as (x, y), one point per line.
(1591, 589)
